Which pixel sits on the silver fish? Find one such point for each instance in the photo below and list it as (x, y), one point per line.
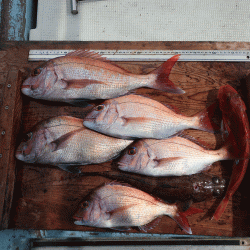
(85, 75)
(119, 206)
(135, 116)
(174, 156)
(64, 142)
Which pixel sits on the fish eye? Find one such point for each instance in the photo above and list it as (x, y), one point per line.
(132, 151)
(28, 136)
(100, 107)
(36, 72)
(84, 204)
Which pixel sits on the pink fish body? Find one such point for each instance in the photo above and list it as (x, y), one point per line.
(135, 116)
(118, 206)
(175, 156)
(84, 75)
(63, 141)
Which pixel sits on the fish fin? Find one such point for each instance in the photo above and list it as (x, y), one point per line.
(69, 168)
(121, 228)
(79, 103)
(87, 54)
(150, 152)
(79, 83)
(162, 82)
(150, 225)
(62, 141)
(181, 218)
(173, 108)
(206, 120)
(221, 208)
(119, 209)
(161, 162)
(185, 205)
(96, 56)
(134, 119)
(120, 183)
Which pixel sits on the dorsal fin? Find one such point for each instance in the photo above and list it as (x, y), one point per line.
(87, 54)
(94, 55)
(173, 108)
(119, 183)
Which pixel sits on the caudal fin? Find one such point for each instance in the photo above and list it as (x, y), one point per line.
(221, 208)
(181, 218)
(207, 119)
(162, 81)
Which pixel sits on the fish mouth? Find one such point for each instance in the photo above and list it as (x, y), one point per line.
(88, 119)
(79, 221)
(25, 86)
(25, 89)
(19, 155)
(77, 218)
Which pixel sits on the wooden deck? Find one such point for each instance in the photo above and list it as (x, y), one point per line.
(35, 197)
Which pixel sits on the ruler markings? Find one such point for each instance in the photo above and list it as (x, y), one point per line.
(152, 55)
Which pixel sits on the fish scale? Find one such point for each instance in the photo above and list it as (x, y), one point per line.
(64, 142)
(134, 116)
(82, 75)
(123, 206)
(174, 156)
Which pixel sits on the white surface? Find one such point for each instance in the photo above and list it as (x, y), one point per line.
(144, 20)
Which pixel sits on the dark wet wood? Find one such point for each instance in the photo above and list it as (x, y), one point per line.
(10, 123)
(46, 197)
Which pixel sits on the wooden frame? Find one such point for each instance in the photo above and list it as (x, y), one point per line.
(14, 67)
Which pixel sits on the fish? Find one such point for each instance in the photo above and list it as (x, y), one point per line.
(84, 75)
(235, 121)
(135, 116)
(64, 142)
(118, 206)
(194, 188)
(175, 156)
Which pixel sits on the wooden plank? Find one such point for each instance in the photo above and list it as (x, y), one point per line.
(9, 128)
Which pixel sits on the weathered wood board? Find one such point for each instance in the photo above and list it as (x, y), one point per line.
(46, 197)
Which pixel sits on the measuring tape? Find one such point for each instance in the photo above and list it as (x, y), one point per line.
(152, 55)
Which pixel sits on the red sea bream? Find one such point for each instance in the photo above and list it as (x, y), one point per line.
(118, 206)
(85, 75)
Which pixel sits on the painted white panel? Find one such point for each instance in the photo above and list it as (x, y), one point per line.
(144, 20)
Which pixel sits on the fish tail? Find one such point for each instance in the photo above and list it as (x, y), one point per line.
(181, 218)
(206, 119)
(221, 208)
(162, 81)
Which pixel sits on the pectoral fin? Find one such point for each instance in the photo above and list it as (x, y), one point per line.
(162, 162)
(120, 209)
(62, 141)
(127, 120)
(79, 83)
